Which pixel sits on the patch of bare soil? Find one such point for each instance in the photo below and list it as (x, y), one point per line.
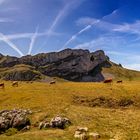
(102, 101)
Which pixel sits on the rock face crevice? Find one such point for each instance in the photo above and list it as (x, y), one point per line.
(73, 65)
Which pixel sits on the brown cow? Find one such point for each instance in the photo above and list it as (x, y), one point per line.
(120, 81)
(2, 86)
(108, 81)
(15, 84)
(52, 82)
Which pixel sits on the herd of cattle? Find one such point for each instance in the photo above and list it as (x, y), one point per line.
(16, 84)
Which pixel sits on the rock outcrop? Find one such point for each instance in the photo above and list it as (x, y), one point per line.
(73, 65)
(56, 122)
(14, 119)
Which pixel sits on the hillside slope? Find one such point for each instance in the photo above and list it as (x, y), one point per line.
(120, 73)
(20, 73)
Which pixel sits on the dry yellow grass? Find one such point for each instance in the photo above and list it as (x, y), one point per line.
(50, 100)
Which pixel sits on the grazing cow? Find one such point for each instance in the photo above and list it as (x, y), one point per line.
(108, 81)
(2, 86)
(52, 82)
(120, 81)
(15, 84)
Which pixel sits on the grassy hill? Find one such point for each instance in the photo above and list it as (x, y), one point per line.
(112, 110)
(119, 73)
(20, 72)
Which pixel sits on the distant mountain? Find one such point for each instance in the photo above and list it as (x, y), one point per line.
(73, 65)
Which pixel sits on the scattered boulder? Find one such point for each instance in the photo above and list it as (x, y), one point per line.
(59, 122)
(56, 122)
(14, 119)
(94, 136)
(81, 133)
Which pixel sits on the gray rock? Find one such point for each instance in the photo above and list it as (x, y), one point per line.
(95, 136)
(59, 122)
(56, 122)
(14, 119)
(81, 133)
(20, 121)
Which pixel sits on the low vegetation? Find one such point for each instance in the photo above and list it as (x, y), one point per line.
(112, 110)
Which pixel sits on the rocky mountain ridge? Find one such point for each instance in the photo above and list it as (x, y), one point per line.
(69, 64)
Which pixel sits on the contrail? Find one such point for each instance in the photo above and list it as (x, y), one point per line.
(33, 39)
(85, 29)
(57, 19)
(80, 32)
(62, 13)
(26, 35)
(13, 46)
(60, 16)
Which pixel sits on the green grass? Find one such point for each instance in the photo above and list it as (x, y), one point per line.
(51, 100)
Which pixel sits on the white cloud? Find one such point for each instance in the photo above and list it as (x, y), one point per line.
(133, 28)
(130, 60)
(86, 21)
(118, 53)
(135, 66)
(90, 22)
(105, 41)
(2, 20)
(129, 28)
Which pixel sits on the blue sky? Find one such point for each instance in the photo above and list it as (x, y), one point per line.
(35, 26)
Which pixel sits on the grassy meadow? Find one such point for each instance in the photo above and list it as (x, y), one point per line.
(112, 110)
